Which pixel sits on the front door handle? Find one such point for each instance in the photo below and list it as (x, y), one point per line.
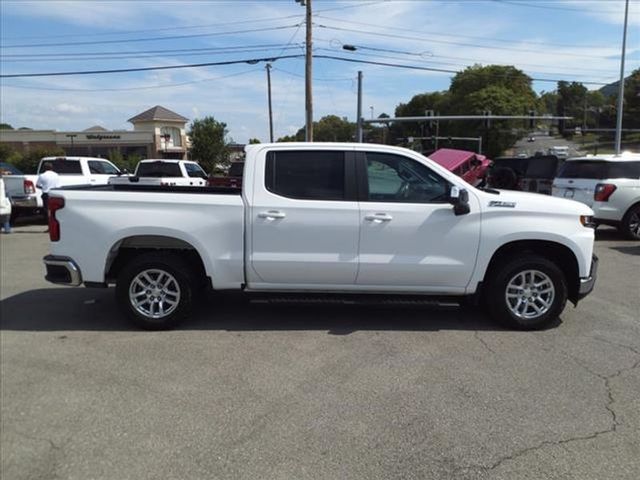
(378, 217)
(272, 214)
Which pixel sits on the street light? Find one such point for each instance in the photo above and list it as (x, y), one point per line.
(71, 136)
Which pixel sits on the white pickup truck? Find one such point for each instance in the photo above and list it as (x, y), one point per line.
(325, 218)
(25, 197)
(165, 173)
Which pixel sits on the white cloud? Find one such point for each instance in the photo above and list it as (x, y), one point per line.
(69, 108)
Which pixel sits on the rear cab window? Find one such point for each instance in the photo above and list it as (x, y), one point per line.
(306, 175)
(63, 166)
(158, 169)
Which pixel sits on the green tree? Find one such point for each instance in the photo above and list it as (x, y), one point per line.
(572, 98)
(253, 141)
(503, 90)
(209, 142)
(5, 126)
(631, 113)
(330, 128)
(547, 103)
(28, 162)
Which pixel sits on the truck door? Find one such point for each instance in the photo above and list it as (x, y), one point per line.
(410, 238)
(303, 220)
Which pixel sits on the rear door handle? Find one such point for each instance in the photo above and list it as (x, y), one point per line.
(378, 217)
(272, 214)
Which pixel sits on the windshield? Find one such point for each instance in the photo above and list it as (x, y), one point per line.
(542, 167)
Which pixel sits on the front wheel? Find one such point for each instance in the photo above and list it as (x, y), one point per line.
(527, 292)
(155, 291)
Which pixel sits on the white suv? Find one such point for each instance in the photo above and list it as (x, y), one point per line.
(609, 184)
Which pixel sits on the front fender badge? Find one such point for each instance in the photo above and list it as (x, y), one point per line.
(496, 203)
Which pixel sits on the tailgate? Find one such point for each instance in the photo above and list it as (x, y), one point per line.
(581, 190)
(14, 184)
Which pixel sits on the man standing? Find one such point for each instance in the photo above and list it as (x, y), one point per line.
(47, 180)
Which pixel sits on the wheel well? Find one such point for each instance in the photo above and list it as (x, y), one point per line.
(637, 204)
(559, 254)
(128, 248)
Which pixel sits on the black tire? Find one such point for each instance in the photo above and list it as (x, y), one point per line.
(509, 273)
(630, 226)
(178, 277)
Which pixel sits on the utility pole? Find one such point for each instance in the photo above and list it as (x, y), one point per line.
(359, 108)
(268, 67)
(621, 88)
(308, 73)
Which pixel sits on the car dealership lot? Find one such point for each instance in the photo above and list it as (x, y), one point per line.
(262, 391)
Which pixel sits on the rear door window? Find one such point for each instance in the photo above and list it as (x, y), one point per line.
(306, 175)
(64, 167)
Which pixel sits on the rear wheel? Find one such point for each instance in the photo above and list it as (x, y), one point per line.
(526, 292)
(155, 290)
(630, 226)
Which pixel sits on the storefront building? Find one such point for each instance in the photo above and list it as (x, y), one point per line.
(157, 133)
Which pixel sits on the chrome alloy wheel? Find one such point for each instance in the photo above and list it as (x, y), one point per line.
(530, 294)
(634, 224)
(154, 293)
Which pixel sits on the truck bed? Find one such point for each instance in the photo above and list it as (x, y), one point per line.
(133, 187)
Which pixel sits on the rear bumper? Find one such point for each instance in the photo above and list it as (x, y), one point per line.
(26, 201)
(62, 270)
(587, 284)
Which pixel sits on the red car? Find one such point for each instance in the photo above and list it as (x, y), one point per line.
(472, 167)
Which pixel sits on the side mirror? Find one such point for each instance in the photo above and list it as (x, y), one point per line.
(459, 198)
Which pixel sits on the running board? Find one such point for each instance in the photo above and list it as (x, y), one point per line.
(333, 299)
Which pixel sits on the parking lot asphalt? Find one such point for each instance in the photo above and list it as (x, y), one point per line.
(312, 392)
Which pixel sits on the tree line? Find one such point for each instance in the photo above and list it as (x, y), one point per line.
(501, 90)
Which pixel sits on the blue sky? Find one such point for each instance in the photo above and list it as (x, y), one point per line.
(548, 39)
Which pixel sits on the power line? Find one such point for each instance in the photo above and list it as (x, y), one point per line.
(457, 35)
(191, 27)
(547, 7)
(430, 56)
(425, 40)
(250, 61)
(435, 62)
(136, 52)
(156, 30)
(126, 89)
(429, 69)
(126, 57)
(151, 39)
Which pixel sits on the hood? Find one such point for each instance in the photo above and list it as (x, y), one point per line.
(532, 202)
